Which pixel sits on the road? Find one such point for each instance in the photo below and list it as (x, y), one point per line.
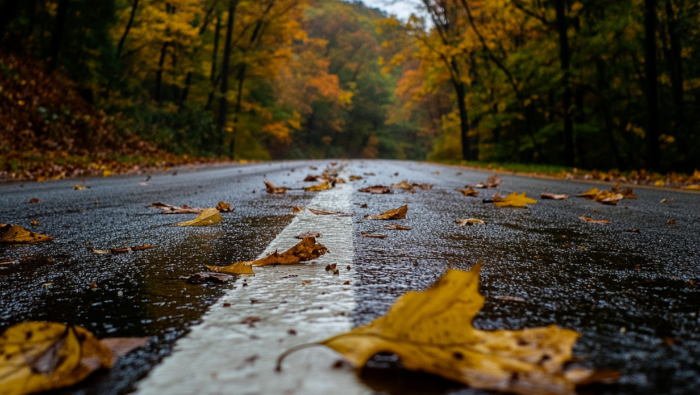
(634, 297)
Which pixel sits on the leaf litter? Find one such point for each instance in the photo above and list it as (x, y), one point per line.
(397, 213)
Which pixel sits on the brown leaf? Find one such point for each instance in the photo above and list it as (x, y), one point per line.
(143, 247)
(312, 178)
(397, 213)
(423, 186)
(323, 212)
(355, 178)
(403, 185)
(308, 234)
(397, 227)
(320, 187)
(468, 192)
(79, 187)
(305, 250)
(373, 236)
(273, 189)
(376, 189)
(470, 221)
(168, 209)
(297, 209)
(120, 346)
(554, 196)
(493, 182)
(595, 221)
(208, 217)
(34, 200)
(16, 234)
(237, 268)
(589, 194)
(224, 207)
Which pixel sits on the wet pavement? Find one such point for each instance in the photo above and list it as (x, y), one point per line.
(635, 297)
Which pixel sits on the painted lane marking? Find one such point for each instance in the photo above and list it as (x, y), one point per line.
(224, 355)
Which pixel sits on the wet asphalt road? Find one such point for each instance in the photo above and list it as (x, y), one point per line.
(629, 294)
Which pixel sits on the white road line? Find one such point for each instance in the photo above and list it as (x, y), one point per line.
(223, 355)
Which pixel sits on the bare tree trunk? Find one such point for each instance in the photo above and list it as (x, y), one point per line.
(57, 34)
(652, 133)
(241, 77)
(158, 94)
(676, 61)
(461, 90)
(564, 57)
(212, 77)
(223, 101)
(122, 40)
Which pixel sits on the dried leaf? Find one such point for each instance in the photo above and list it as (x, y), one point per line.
(120, 346)
(397, 213)
(493, 182)
(606, 197)
(397, 227)
(431, 331)
(311, 178)
(554, 196)
(589, 194)
(168, 209)
(514, 200)
(403, 185)
(224, 207)
(208, 217)
(692, 187)
(355, 178)
(468, 192)
(423, 186)
(237, 268)
(470, 221)
(16, 234)
(297, 209)
(308, 234)
(628, 194)
(595, 221)
(143, 247)
(320, 187)
(306, 250)
(79, 187)
(373, 236)
(377, 189)
(41, 356)
(34, 200)
(273, 189)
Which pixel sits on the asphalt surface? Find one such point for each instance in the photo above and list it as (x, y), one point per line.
(634, 297)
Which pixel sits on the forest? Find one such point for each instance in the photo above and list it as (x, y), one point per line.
(590, 84)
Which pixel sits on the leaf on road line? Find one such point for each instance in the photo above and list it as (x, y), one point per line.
(355, 178)
(305, 250)
(373, 236)
(308, 234)
(403, 185)
(492, 182)
(368, 174)
(470, 221)
(324, 212)
(297, 209)
(397, 227)
(224, 207)
(595, 221)
(16, 234)
(554, 196)
(34, 200)
(376, 189)
(432, 331)
(41, 356)
(423, 186)
(397, 213)
(184, 209)
(514, 200)
(468, 192)
(208, 217)
(320, 187)
(273, 189)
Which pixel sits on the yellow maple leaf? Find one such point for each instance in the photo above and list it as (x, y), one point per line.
(514, 200)
(320, 187)
(209, 216)
(431, 331)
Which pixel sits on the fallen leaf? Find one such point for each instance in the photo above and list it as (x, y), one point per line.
(121, 250)
(671, 221)
(120, 346)
(514, 200)
(659, 183)
(606, 197)
(377, 189)
(589, 194)
(397, 213)
(554, 196)
(237, 268)
(373, 236)
(468, 192)
(403, 185)
(34, 200)
(664, 201)
(616, 188)
(320, 187)
(633, 230)
(250, 321)
(470, 221)
(42, 356)
(308, 234)
(16, 234)
(273, 189)
(168, 209)
(492, 182)
(423, 186)
(79, 187)
(432, 331)
(35, 222)
(224, 207)
(305, 250)
(311, 178)
(692, 187)
(364, 205)
(297, 209)
(143, 247)
(595, 221)
(208, 217)
(355, 178)
(397, 227)
(198, 278)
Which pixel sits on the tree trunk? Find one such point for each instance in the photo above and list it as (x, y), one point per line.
(158, 94)
(57, 34)
(652, 133)
(122, 40)
(564, 57)
(223, 102)
(461, 90)
(212, 77)
(241, 77)
(676, 68)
